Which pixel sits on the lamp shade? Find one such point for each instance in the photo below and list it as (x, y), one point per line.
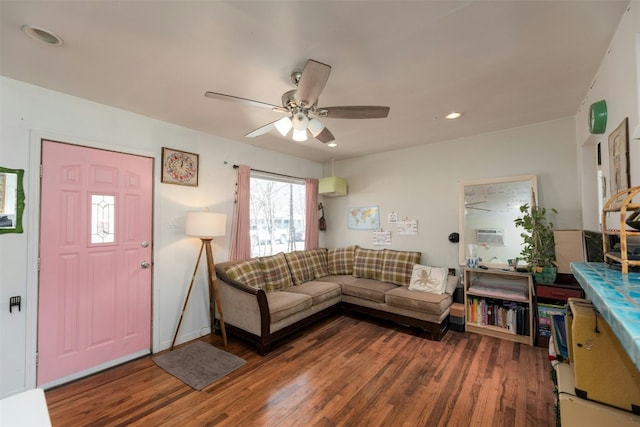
(206, 224)
(332, 186)
(284, 125)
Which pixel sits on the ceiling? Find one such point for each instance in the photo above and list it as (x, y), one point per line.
(500, 63)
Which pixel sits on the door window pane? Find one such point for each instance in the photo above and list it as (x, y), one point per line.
(103, 218)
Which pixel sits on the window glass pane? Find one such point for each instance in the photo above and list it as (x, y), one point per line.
(102, 218)
(277, 215)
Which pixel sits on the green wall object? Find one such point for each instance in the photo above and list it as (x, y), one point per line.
(598, 117)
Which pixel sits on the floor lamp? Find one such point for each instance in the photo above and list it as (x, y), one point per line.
(206, 226)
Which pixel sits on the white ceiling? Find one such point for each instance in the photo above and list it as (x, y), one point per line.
(501, 63)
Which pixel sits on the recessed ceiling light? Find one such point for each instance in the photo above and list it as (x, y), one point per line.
(42, 35)
(452, 116)
(332, 144)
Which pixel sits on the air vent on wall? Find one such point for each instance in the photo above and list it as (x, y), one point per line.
(491, 236)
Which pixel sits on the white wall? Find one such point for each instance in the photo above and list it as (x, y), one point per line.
(28, 113)
(618, 83)
(422, 183)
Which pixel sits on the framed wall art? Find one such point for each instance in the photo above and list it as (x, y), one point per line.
(619, 158)
(179, 167)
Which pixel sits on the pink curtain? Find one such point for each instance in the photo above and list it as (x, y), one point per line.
(240, 235)
(311, 220)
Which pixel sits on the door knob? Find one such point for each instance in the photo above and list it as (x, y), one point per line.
(145, 264)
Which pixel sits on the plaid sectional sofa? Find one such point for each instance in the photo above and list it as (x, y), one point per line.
(269, 298)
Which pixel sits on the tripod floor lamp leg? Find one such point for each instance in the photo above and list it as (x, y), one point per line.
(186, 300)
(214, 293)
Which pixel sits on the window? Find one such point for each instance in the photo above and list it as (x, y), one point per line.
(277, 214)
(102, 218)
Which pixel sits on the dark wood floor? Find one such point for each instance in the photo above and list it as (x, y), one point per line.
(343, 371)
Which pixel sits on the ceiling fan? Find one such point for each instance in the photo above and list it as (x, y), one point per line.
(301, 106)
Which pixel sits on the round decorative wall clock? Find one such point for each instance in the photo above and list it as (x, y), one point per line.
(179, 167)
(598, 117)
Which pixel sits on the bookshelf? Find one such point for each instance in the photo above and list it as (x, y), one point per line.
(499, 303)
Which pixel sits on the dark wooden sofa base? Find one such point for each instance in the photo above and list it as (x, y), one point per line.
(264, 344)
(436, 330)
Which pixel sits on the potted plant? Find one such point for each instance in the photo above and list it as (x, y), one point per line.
(538, 243)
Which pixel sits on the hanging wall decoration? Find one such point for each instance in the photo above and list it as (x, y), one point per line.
(179, 167)
(364, 218)
(619, 158)
(381, 238)
(407, 227)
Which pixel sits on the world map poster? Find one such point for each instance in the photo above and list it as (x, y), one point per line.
(364, 218)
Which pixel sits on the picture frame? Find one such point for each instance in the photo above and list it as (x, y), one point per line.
(619, 177)
(180, 167)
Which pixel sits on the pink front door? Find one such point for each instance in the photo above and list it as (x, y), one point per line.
(94, 304)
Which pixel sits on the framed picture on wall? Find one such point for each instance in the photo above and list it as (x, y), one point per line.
(179, 167)
(619, 158)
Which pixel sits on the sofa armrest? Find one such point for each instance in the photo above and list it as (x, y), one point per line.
(244, 306)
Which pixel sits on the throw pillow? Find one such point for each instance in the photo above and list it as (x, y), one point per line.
(340, 260)
(299, 267)
(452, 284)
(247, 272)
(367, 263)
(428, 279)
(317, 259)
(397, 266)
(276, 272)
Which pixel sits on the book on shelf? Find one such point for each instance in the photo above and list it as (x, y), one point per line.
(502, 314)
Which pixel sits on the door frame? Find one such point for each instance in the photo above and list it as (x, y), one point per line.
(33, 241)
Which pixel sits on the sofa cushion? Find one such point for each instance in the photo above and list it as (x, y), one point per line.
(397, 266)
(319, 291)
(299, 267)
(426, 302)
(367, 263)
(275, 272)
(428, 279)
(285, 304)
(247, 272)
(370, 289)
(340, 260)
(317, 259)
(339, 278)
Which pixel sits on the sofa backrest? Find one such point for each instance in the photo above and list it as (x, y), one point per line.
(283, 270)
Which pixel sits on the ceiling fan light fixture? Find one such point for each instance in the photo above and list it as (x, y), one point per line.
(315, 127)
(283, 125)
(300, 121)
(332, 144)
(299, 135)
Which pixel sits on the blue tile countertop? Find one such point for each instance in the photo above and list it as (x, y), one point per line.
(617, 298)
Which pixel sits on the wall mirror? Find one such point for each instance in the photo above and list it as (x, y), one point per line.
(488, 209)
(11, 200)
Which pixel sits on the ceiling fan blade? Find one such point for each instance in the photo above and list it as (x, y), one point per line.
(312, 81)
(262, 130)
(325, 136)
(251, 102)
(354, 112)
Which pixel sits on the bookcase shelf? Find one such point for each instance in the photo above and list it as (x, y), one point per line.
(617, 207)
(499, 303)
